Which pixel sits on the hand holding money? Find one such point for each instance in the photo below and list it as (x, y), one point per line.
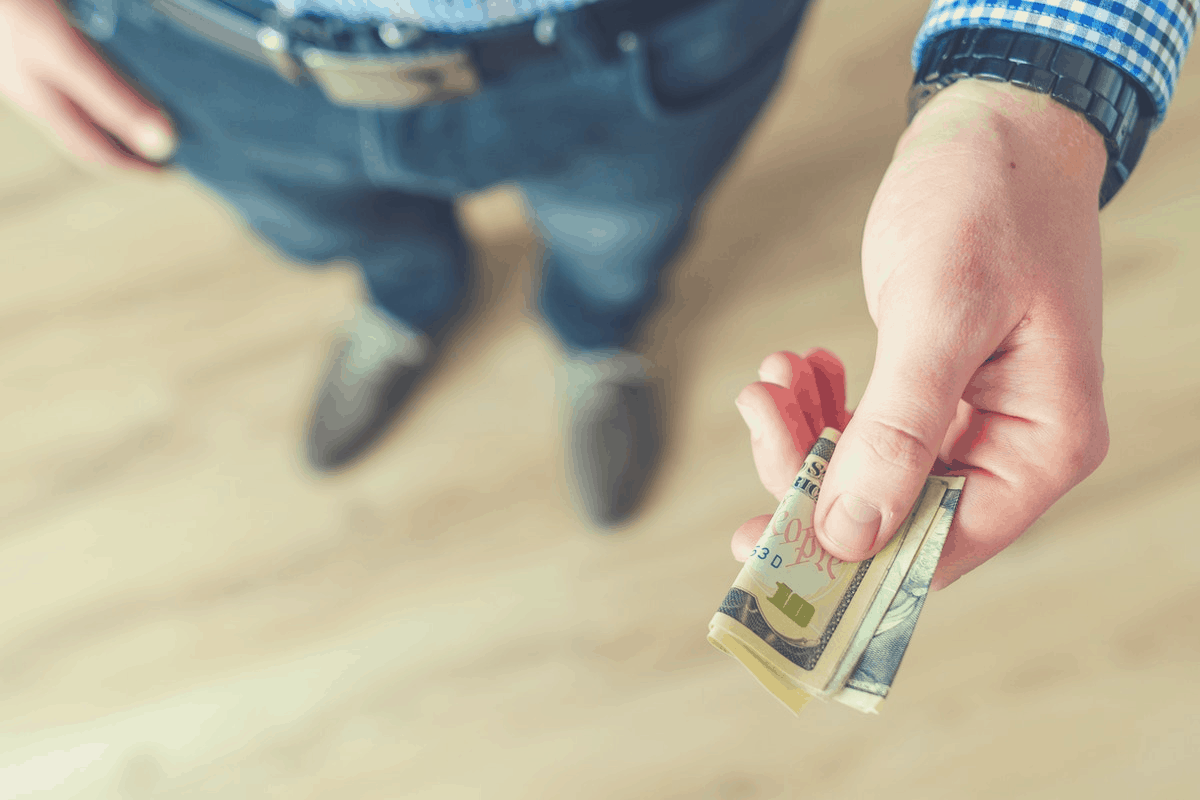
(801, 620)
(807, 624)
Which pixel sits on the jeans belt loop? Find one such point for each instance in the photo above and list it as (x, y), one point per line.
(276, 50)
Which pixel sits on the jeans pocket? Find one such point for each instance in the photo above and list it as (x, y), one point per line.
(695, 60)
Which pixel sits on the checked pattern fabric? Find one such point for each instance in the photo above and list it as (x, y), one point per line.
(1146, 38)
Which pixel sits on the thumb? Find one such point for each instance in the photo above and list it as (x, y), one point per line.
(890, 445)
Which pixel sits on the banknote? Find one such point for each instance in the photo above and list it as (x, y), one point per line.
(873, 675)
(801, 620)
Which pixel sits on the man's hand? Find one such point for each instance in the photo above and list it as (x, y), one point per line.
(981, 264)
(48, 69)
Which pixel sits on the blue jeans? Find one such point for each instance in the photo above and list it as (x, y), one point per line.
(612, 152)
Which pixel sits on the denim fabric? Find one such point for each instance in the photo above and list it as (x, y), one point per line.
(449, 15)
(613, 149)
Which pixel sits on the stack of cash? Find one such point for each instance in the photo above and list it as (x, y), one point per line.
(807, 624)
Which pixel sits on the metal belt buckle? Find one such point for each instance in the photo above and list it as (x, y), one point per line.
(391, 81)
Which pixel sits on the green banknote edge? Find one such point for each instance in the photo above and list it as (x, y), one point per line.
(730, 636)
(767, 676)
(915, 531)
(866, 695)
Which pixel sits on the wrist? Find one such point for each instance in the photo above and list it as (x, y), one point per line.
(1003, 126)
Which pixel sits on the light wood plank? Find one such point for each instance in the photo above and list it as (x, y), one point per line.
(186, 612)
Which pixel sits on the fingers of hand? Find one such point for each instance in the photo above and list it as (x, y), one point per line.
(817, 375)
(995, 508)
(876, 473)
(777, 368)
(955, 440)
(80, 135)
(771, 441)
(1018, 463)
(817, 382)
(79, 73)
(747, 536)
(790, 381)
(786, 412)
(889, 448)
(830, 380)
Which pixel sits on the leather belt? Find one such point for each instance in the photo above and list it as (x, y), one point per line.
(446, 68)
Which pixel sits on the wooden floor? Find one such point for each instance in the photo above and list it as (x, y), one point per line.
(185, 612)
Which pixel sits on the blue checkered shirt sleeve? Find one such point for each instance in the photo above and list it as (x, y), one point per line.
(1146, 38)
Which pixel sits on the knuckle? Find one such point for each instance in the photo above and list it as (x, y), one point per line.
(749, 394)
(1080, 438)
(897, 444)
(1080, 452)
(776, 368)
(1096, 451)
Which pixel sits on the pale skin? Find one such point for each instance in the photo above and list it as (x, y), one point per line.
(981, 266)
(48, 70)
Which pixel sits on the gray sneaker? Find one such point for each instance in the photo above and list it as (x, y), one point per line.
(370, 373)
(613, 433)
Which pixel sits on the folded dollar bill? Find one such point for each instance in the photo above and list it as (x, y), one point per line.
(807, 624)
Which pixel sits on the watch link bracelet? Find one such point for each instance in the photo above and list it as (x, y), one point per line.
(1113, 102)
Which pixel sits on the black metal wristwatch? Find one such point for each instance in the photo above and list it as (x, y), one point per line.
(1111, 100)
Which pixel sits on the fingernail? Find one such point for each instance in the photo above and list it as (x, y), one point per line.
(751, 419)
(155, 143)
(852, 524)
